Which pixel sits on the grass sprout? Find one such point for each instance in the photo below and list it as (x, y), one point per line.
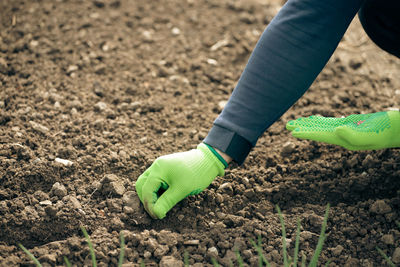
(67, 263)
(91, 249)
(388, 260)
(122, 252)
(30, 255)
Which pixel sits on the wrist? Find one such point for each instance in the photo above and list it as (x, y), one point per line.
(223, 157)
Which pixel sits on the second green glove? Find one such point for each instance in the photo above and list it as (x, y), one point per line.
(355, 132)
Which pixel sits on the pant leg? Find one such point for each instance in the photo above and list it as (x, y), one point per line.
(381, 21)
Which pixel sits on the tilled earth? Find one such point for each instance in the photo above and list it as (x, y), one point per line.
(91, 92)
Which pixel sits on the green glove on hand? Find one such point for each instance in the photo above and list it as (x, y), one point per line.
(355, 132)
(180, 174)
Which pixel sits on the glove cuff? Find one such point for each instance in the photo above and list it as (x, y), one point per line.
(213, 158)
(217, 155)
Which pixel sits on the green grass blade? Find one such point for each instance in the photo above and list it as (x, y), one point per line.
(122, 252)
(186, 258)
(303, 259)
(67, 262)
(391, 264)
(327, 263)
(30, 255)
(296, 246)
(285, 259)
(239, 258)
(214, 262)
(321, 240)
(94, 264)
(261, 258)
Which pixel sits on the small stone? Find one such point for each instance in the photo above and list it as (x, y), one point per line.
(193, 242)
(50, 258)
(222, 104)
(337, 250)
(131, 200)
(75, 203)
(38, 127)
(45, 203)
(98, 89)
(112, 184)
(175, 31)
(51, 211)
(117, 188)
(380, 207)
(64, 162)
(316, 220)
(287, 149)
(396, 256)
(72, 68)
(147, 254)
(388, 239)
(368, 162)
(212, 252)
(212, 61)
(161, 250)
(128, 210)
(225, 186)
(100, 106)
(59, 190)
(143, 140)
(170, 261)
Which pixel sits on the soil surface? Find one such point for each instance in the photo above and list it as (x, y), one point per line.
(91, 92)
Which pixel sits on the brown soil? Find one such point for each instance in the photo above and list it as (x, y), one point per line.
(112, 85)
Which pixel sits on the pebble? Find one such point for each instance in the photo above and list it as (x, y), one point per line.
(51, 211)
(75, 203)
(112, 184)
(193, 242)
(147, 254)
(388, 239)
(38, 127)
(212, 252)
(176, 31)
(316, 220)
(225, 186)
(212, 62)
(170, 261)
(100, 106)
(380, 207)
(337, 250)
(72, 68)
(161, 250)
(58, 190)
(131, 200)
(64, 162)
(396, 256)
(287, 149)
(45, 203)
(222, 104)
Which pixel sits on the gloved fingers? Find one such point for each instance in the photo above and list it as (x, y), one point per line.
(149, 192)
(168, 200)
(140, 182)
(314, 121)
(357, 140)
(319, 134)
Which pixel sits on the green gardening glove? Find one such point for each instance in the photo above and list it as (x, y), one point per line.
(355, 132)
(180, 175)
